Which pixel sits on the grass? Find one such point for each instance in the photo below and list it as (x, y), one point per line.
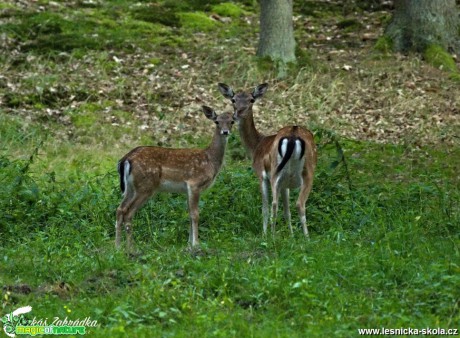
(384, 223)
(383, 252)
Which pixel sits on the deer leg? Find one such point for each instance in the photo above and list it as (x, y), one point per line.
(118, 224)
(264, 187)
(193, 200)
(121, 214)
(275, 196)
(136, 203)
(303, 197)
(287, 211)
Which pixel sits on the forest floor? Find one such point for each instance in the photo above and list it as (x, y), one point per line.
(342, 81)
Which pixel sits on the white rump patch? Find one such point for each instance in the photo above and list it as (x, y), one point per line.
(127, 176)
(298, 149)
(284, 144)
(291, 175)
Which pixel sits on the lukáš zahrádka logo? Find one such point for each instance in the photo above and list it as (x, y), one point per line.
(15, 318)
(15, 323)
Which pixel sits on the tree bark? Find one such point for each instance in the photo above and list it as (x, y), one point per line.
(276, 31)
(417, 24)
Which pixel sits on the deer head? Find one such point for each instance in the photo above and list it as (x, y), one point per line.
(243, 101)
(223, 121)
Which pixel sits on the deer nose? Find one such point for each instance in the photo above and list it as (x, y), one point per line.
(225, 132)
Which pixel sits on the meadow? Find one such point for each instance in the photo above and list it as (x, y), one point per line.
(83, 82)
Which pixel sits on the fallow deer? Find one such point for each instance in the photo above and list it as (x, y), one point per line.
(282, 161)
(146, 170)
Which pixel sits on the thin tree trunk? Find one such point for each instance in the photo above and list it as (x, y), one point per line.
(417, 24)
(276, 30)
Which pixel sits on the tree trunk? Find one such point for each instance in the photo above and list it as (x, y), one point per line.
(417, 24)
(276, 30)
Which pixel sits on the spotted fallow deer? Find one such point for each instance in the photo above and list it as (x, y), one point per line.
(282, 161)
(147, 170)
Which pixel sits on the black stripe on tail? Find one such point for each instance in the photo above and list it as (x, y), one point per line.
(121, 173)
(302, 148)
(290, 149)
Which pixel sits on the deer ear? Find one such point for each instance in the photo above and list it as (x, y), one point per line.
(226, 90)
(260, 90)
(209, 113)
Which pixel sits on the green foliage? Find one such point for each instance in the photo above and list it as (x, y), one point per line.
(228, 9)
(440, 58)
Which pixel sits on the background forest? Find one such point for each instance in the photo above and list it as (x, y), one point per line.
(82, 82)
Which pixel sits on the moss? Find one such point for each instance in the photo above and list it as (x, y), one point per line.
(384, 44)
(228, 9)
(265, 64)
(173, 41)
(197, 21)
(440, 58)
(51, 33)
(275, 68)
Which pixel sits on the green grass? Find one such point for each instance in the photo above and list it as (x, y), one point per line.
(383, 251)
(384, 223)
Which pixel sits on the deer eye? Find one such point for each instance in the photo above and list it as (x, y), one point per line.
(216, 122)
(233, 100)
(253, 100)
(232, 122)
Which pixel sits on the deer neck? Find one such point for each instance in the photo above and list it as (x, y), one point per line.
(249, 134)
(216, 149)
